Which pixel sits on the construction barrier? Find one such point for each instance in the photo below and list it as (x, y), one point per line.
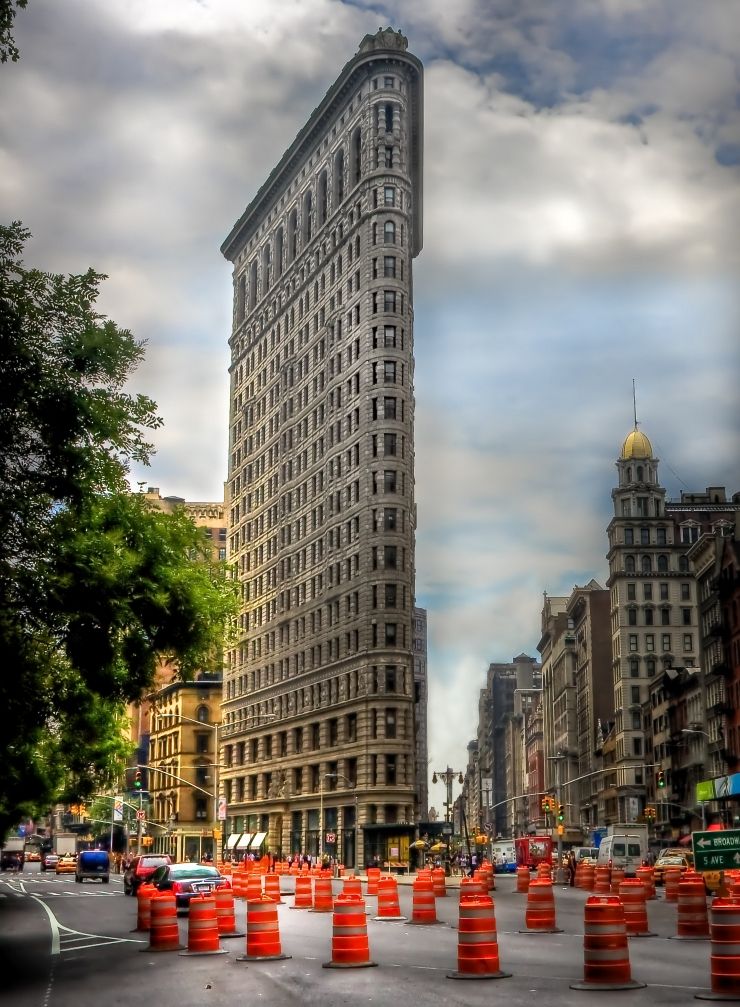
(544, 870)
(225, 912)
(617, 877)
(471, 886)
(438, 882)
(647, 876)
(725, 950)
(424, 906)
(272, 886)
(589, 877)
(488, 876)
(389, 909)
(352, 885)
(522, 879)
(164, 934)
(373, 876)
(579, 874)
(633, 895)
(203, 937)
(606, 958)
(303, 893)
(477, 943)
(253, 887)
(239, 883)
(263, 933)
(693, 918)
(323, 898)
(602, 880)
(539, 916)
(671, 881)
(349, 944)
(144, 894)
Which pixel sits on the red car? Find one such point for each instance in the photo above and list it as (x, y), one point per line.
(141, 869)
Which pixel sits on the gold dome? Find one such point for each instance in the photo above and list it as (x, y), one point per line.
(636, 445)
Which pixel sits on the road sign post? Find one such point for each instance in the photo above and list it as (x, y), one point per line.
(716, 851)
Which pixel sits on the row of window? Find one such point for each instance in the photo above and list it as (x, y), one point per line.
(648, 616)
(661, 563)
(378, 680)
(666, 642)
(663, 591)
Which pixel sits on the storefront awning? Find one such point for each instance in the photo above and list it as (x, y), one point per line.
(257, 841)
(243, 843)
(233, 840)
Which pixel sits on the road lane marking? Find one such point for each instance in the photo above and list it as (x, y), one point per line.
(52, 923)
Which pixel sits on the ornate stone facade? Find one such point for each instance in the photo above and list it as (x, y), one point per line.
(319, 684)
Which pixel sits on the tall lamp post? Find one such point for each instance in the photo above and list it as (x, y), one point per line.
(693, 730)
(447, 776)
(216, 760)
(341, 776)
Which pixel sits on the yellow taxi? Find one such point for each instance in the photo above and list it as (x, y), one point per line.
(66, 864)
(670, 858)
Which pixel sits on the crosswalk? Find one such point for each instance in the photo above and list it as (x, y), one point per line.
(53, 886)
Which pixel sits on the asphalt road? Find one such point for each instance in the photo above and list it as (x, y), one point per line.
(63, 944)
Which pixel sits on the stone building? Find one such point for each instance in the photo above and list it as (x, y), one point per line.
(421, 704)
(319, 736)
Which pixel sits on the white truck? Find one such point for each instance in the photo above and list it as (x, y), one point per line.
(503, 856)
(12, 855)
(65, 843)
(625, 845)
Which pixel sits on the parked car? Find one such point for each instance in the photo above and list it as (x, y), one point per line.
(188, 880)
(141, 869)
(66, 864)
(49, 861)
(33, 856)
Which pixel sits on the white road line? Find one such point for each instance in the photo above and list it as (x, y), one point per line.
(52, 923)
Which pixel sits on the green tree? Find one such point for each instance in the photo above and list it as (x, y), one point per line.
(8, 48)
(96, 587)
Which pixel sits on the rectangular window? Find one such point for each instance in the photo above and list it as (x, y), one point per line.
(390, 769)
(389, 266)
(631, 592)
(664, 592)
(688, 642)
(389, 336)
(389, 481)
(649, 642)
(390, 595)
(390, 554)
(389, 300)
(647, 592)
(644, 536)
(686, 616)
(665, 617)
(632, 617)
(390, 634)
(389, 408)
(635, 693)
(648, 617)
(389, 195)
(629, 536)
(389, 372)
(685, 592)
(665, 642)
(633, 642)
(390, 519)
(389, 444)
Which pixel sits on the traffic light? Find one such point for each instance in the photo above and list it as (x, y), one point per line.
(661, 779)
(137, 780)
(561, 813)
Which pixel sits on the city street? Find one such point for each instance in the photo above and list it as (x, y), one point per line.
(62, 943)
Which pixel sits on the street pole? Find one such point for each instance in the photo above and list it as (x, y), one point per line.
(321, 819)
(140, 824)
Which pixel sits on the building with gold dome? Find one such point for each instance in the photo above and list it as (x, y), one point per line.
(660, 693)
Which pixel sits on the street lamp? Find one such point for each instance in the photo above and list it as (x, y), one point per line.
(447, 776)
(696, 730)
(341, 776)
(216, 761)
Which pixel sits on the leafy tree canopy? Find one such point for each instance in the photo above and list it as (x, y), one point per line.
(8, 48)
(96, 587)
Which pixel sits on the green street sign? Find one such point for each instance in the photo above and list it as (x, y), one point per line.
(716, 851)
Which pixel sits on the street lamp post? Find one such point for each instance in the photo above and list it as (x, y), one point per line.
(216, 761)
(447, 776)
(341, 776)
(692, 730)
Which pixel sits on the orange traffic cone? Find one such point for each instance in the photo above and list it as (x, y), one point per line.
(225, 913)
(203, 927)
(303, 893)
(164, 934)
(349, 945)
(388, 908)
(144, 895)
(477, 946)
(263, 933)
(606, 957)
(540, 913)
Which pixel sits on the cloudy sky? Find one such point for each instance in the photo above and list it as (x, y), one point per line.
(581, 222)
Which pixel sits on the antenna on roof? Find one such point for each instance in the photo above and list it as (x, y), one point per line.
(634, 402)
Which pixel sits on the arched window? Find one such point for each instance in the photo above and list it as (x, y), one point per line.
(640, 474)
(266, 267)
(279, 251)
(252, 284)
(683, 564)
(389, 232)
(201, 714)
(388, 116)
(338, 192)
(307, 216)
(356, 157)
(629, 564)
(241, 298)
(323, 198)
(292, 234)
(662, 564)
(646, 564)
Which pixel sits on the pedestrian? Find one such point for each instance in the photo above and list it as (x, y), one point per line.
(572, 868)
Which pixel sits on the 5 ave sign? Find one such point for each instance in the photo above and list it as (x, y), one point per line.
(716, 851)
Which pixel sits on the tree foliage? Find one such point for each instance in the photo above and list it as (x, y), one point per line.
(8, 48)
(96, 587)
